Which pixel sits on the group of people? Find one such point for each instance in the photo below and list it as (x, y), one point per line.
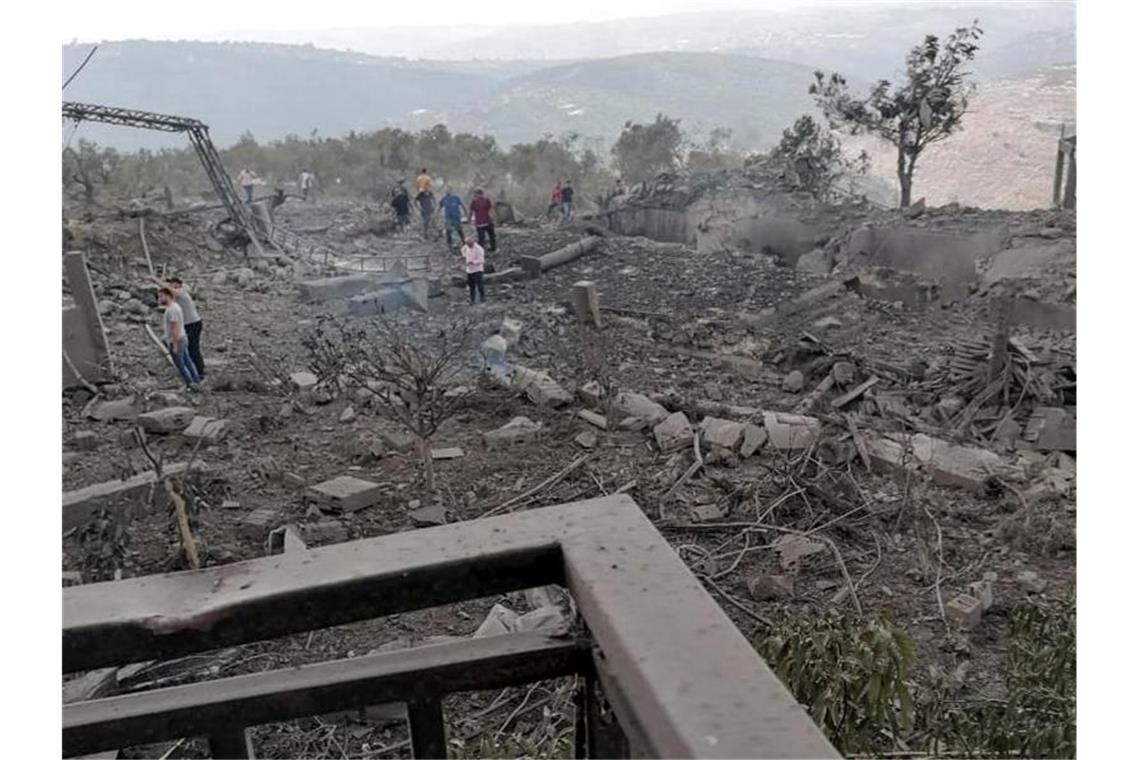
(480, 212)
(247, 178)
(182, 329)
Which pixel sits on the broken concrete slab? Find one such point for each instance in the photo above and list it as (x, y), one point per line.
(754, 437)
(947, 464)
(964, 612)
(511, 330)
(540, 388)
(209, 429)
(84, 339)
(1051, 429)
(345, 493)
(518, 430)
(638, 405)
(326, 531)
(432, 514)
(348, 415)
(499, 620)
(673, 433)
(791, 431)
(284, 539)
(770, 588)
(81, 505)
(115, 409)
(452, 452)
(493, 352)
(411, 293)
(724, 434)
(167, 420)
(342, 287)
(595, 419)
(91, 685)
(303, 381)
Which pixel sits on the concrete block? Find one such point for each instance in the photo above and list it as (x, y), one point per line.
(284, 540)
(1051, 429)
(638, 405)
(540, 387)
(843, 373)
(947, 464)
(326, 531)
(511, 330)
(84, 339)
(339, 288)
(673, 433)
(432, 514)
(793, 382)
(518, 430)
(595, 419)
(117, 409)
(586, 306)
(209, 429)
(587, 439)
(85, 440)
(453, 452)
(81, 505)
(167, 420)
(791, 431)
(591, 393)
(303, 381)
(346, 493)
(725, 434)
(964, 612)
(256, 525)
(754, 437)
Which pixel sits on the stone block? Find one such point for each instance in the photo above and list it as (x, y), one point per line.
(338, 288)
(587, 439)
(793, 382)
(790, 431)
(754, 437)
(964, 612)
(85, 440)
(983, 591)
(348, 415)
(115, 409)
(1031, 582)
(586, 307)
(673, 433)
(634, 424)
(256, 525)
(595, 419)
(209, 429)
(453, 452)
(638, 405)
(432, 514)
(725, 434)
(326, 531)
(346, 493)
(843, 373)
(591, 393)
(398, 440)
(511, 330)
(540, 387)
(771, 588)
(303, 381)
(518, 430)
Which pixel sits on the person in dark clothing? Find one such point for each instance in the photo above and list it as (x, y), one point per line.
(453, 210)
(567, 202)
(426, 203)
(402, 204)
(483, 214)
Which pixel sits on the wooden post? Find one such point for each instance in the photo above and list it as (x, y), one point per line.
(999, 351)
(1070, 200)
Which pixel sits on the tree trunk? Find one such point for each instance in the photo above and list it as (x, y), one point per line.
(904, 174)
(429, 470)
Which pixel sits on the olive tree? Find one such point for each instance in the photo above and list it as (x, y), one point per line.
(924, 109)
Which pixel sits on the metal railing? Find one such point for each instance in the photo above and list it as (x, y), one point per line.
(292, 243)
(657, 650)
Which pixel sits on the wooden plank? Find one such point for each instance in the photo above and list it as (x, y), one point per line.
(422, 673)
(854, 393)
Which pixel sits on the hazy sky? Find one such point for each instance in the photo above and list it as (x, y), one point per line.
(129, 19)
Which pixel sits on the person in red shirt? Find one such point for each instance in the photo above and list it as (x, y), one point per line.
(555, 198)
(483, 212)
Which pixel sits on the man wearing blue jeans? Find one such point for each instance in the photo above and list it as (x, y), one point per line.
(453, 210)
(175, 331)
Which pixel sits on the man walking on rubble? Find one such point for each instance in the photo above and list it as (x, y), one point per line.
(425, 197)
(453, 209)
(402, 205)
(567, 202)
(483, 215)
(305, 183)
(175, 333)
(555, 198)
(247, 179)
(191, 320)
(473, 263)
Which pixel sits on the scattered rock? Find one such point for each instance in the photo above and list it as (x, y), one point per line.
(348, 415)
(707, 513)
(754, 437)
(591, 393)
(326, 531)
(638, 405)
(116, 409)
(724, 434)
(916, 209)
(826, 323)
(499, 620)
(843, 373)
(231, 504)
(453, 452)
(208, 429)
(72, 578)
(791, 431)
(303, 381)
(398, 440)
(634, 424)
(793, 382)
(255, 526)
(769, 588)
(345, 493)
(673, 433)
(595, 419)
(518, 430)
(964, 612)
(511, 330)
(818, 261)
(284, 539)
(432, 514)
(983, 591)
(167, 420)
(85, 440)
(587, 439)
(948, 406)
(540, 387)
(1031, 582)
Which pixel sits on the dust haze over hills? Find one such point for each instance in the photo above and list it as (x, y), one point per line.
(745, 70)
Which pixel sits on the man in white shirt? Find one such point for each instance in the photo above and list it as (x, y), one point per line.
(473, 262)
(175, 332)
(192, 321)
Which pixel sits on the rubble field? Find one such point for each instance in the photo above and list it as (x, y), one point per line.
(806, 440)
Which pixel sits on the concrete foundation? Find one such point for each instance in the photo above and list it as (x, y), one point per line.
(83, 336)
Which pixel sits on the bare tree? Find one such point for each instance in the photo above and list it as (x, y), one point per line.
(407, 377)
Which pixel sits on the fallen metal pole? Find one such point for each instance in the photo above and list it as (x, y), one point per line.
(536, 265)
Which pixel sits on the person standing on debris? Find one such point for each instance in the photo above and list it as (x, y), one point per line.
(473, 262)
(567, 202)
(555, 198)
(426, 202)
(305, 183)
(483, 214)
(173, 323)
(247, 179)
(619, 188)
(402, 204)
(192, 321)
(453, 210)
(423, 183)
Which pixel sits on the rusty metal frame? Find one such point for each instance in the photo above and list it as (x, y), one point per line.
(682, 679)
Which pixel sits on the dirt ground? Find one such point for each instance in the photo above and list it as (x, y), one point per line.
(692, 331)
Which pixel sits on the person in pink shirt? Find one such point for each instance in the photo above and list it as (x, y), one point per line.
(473, 261)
